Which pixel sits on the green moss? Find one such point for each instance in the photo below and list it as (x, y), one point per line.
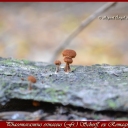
(17, 61)
(122, 119)
(11, 62)
(96, 117)
(52, 94)
(111, 104)
(73, 68)
(51, 68)
(6, 62)
(60, 93)
(25, 62)
(2, 83)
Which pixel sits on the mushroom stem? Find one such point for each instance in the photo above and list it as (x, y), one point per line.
(67, 68)
(30, 86)
(57, 68)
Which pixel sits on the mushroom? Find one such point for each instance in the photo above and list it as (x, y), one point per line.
(68, 61)
(31, 79)
(35, 103)
(68, 54)
(57, 63)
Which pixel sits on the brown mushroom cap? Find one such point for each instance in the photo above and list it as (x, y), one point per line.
(36, 103)
(32, 79)
(57, 62)
(69, 52)
(68, 60)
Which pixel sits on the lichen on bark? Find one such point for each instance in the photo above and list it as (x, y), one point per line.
(97, 87)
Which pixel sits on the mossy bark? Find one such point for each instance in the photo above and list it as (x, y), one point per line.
(97, 87)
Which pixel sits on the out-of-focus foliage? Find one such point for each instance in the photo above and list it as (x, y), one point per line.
(34, 30)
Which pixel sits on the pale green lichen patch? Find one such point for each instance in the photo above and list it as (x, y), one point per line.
(111, 104)
(25, 62)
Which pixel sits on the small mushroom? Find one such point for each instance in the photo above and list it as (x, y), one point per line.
(36, 103)
(69, 52)
(57, 63)
(68, 61)
(31, 79)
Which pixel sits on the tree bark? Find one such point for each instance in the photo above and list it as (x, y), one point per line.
(97, 87)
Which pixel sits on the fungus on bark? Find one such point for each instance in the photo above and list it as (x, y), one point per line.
(36, 103)
(68, 54)
(57, 63)
(68, 61)
(31, 80)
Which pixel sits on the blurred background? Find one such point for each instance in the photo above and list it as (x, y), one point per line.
(33, 31)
